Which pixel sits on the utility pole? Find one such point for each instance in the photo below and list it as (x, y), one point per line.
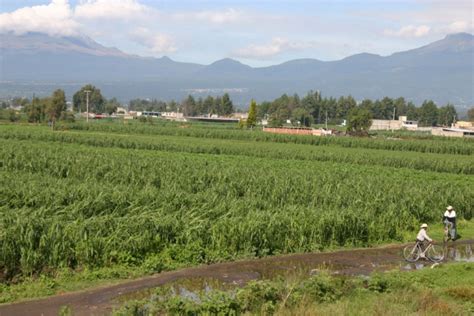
(87, 104)
(326, 119)
(393, 117)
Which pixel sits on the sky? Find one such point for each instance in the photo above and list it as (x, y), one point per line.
(257, 33)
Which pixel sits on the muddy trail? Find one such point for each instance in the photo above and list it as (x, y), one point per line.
(103, 300)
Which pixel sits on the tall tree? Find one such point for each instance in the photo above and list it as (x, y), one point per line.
(359, 121)
(344, 106)
(227, 105)
(387, 108)
(428, 113)
(263, 109)
(208, 104)
(412, 112)
(96, 100)
(447, 115)
(189, 106)
(401, 107)
(36, 110)
(57, 105)
(252, 118)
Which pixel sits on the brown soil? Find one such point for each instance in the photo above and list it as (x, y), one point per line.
(100, 301)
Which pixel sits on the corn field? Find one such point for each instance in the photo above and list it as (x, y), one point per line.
(97, 197)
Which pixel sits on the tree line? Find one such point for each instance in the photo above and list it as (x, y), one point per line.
(190, 106)
(305, 111)
(315, 109)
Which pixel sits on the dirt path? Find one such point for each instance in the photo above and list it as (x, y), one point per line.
(100, 301)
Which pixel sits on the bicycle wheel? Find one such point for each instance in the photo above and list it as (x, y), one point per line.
(435, 253)
(411, 253)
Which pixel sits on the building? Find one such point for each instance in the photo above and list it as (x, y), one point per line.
(297, 131)
(452, 132)
(464, 124)
(401, 123)
(213, 119)
(177, 116)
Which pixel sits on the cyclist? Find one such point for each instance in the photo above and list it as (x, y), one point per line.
(449, 220)
(423, 238)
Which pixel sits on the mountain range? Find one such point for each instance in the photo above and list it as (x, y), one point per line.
(442, 71)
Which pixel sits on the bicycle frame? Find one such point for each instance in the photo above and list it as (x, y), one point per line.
(423, 253)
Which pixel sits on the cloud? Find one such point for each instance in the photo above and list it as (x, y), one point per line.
(157, 43)
(459, 26)
(409, 31)
(217, 17)
(55, 18)
(110, 9)
(275, 47)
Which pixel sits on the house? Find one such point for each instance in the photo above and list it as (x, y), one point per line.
(401, 123)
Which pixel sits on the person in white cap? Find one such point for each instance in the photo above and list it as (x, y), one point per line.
(423, 238)
(449, 220)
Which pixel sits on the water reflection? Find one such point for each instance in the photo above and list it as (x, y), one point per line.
(192, 287)
(459, 253)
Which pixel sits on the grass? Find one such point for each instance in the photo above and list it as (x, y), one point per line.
(446, 290)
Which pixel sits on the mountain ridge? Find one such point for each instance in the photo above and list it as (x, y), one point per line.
(441, 70)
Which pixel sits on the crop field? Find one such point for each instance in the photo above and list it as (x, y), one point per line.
(164, 195)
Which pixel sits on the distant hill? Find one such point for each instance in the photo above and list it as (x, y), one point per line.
(37, 63)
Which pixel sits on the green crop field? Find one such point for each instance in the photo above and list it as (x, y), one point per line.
(164, 195)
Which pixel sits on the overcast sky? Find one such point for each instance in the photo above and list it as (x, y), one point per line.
(254, 32)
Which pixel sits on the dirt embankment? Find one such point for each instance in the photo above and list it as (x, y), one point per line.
(100, 301)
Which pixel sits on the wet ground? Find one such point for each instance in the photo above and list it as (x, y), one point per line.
(188, 282)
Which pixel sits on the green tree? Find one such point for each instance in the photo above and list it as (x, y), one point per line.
(227, 107)
(447, 115)
(412, 112)
(56, 105)
(189, 106)
(344, 106)
(111, 106)
(359, 121)
(96, 100)
(36, 110)
(208, 105)
(428, 113)
(312, 102)
(252, 118)
(401, 107)
(302, 116)
(387, 107)
(263, 109)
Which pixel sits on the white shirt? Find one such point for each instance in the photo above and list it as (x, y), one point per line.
(449, 214)
(422, 235)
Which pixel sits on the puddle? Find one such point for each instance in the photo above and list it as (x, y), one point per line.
(189, 288)
(299, 266)
(460, 253)
(456, 253)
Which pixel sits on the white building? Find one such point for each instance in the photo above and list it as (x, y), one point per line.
(401, 123)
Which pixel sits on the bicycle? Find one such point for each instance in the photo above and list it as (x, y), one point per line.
(449, 232)
(433, 252)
